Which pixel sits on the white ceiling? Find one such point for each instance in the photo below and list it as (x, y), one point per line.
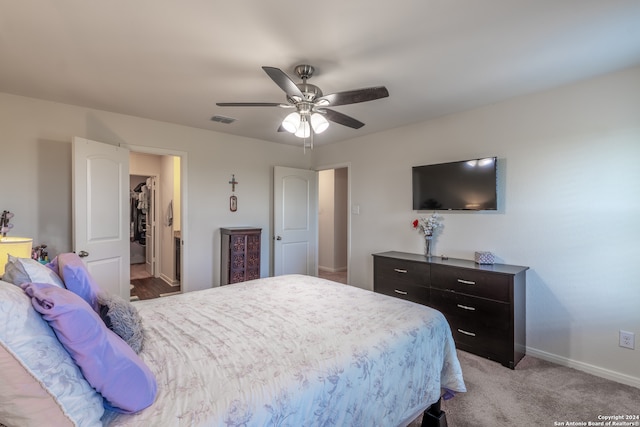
(172, 60)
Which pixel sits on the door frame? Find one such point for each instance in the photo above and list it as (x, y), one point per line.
(346, 165)
(184, 231)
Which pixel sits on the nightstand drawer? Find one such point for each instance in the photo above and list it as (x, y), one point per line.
(477, 311)
(466, 281)
(400, 272)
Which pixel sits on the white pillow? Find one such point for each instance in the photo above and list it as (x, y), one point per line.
(23, 270)
(27, 341)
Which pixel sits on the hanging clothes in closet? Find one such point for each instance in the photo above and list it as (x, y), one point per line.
(139, 209)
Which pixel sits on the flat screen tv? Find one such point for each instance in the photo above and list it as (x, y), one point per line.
(463, 185)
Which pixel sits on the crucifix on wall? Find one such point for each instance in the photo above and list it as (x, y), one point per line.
(233, 200)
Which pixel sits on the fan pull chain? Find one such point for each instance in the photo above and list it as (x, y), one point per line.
(310, 145)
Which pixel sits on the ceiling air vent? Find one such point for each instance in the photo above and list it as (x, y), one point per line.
(223, 119)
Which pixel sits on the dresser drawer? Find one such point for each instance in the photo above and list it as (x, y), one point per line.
(488, 342)
(417, 294)
(400, 272)
(466, 281)
(476, 311)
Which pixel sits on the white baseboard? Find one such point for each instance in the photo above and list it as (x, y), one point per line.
(585, 367)
(332, 270)
(168, 280)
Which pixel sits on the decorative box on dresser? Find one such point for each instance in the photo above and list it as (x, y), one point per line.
(239, 254)
(484, 304)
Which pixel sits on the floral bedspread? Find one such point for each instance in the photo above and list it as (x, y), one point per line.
(292, 351)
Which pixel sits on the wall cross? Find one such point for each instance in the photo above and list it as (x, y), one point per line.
(233, 183)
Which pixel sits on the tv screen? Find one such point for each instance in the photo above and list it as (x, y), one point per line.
(464, 185)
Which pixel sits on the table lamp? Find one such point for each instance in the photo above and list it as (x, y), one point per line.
(19, 247)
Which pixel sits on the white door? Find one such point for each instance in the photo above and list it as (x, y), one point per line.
(295, 202)
(150, 229)
(101, 211)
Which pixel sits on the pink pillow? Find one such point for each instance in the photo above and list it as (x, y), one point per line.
(30, 404)
(106, 361)
(76, 278)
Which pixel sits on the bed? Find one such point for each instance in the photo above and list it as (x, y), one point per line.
(290, 351)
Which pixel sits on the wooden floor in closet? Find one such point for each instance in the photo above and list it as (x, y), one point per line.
(144, 286)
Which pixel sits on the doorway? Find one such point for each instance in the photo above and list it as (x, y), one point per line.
(155, 224)
(142, 225)
(333, 224)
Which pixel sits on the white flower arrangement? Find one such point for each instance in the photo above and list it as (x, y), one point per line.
(428, 225)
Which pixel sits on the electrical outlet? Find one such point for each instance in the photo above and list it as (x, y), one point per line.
(627, 339)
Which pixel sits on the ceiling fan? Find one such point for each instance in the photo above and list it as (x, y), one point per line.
(312, 115)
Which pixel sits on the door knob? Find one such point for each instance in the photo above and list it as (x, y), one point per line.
(278, 238)
(83, 254)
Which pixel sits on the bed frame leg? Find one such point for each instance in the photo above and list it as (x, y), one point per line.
(434, 417)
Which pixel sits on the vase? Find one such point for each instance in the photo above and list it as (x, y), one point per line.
(427, 246)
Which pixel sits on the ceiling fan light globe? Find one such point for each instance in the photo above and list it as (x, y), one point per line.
(319, 123)
(291, 123)
(304, 131)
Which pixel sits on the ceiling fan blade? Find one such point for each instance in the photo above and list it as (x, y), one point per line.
(342, 119)
(282, 80)
(249, 104)
(354, 96)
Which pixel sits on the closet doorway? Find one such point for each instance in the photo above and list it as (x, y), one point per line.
(142, 197)
(155, 228)
(333, 224)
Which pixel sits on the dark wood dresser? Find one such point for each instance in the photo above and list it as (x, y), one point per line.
(239, 254)
(485, 305)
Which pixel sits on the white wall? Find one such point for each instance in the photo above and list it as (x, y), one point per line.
(569, 208)
(35, 172)
(332, 219)
(341, 209)
(144, 164)
(167, 240)
(326, 220)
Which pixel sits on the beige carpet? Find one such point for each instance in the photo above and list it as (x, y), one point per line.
(336, 276)
(138, 271)
(536, 393)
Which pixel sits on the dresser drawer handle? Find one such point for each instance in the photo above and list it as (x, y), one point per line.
(466, 282)
(466, 307)
(471, 334)
(397, 270)
(400, 292)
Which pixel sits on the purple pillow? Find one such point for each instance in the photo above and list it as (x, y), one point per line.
(106, 361)
(76, 278)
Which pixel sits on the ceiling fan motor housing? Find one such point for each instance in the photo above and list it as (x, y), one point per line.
(310, 92)
(304, 71)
